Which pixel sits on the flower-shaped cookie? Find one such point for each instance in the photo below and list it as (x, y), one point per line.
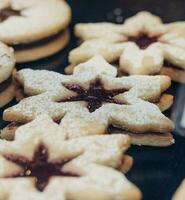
(91, 102)
(41, 163)
(143, 45)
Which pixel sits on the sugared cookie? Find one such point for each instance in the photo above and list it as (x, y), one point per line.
(180, 194)
(42, 163)
(35, 29)
(7, 64)
(143, 45)
(93, 100)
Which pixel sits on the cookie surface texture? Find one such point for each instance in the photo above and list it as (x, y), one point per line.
(70, 167)
(93, 101)
(7, 66)
(142, 45)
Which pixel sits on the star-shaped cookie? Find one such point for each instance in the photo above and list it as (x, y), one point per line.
(91, 103)
(142, 45)
(42, 163)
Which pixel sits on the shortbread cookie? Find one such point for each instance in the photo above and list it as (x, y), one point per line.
(35, 29)
(42, 163)
(143, 45)
(7, 64)
(90, 103)
(180, 194)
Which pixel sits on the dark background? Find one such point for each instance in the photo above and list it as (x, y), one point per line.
(156, 171)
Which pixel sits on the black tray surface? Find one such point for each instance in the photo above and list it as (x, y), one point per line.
(156, 171)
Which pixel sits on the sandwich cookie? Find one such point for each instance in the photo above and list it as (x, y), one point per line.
(7, 64)
(35, 29)
(95, 101)
(43, 163)
(142, 45)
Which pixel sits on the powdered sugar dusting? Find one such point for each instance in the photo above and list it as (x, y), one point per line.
(47, 90)
(82, 157)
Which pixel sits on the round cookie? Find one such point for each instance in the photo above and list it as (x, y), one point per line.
(7, 63)
(43, 50)
(34, 25)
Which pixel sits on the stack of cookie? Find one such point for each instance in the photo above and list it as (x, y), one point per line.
(143, 45)
(94, 101)
(71, 132)
(7, 64)
(44, 163)
(35, 29)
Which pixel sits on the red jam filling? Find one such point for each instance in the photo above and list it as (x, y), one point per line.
(39, 167)
(19, 47)
(8, 12)
(143, 40)
(112, 129)
(168, 64)
(13, 125)
(95, 96)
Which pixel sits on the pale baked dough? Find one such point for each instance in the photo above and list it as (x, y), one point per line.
(38, 20)
(113, 43)
(97, 179)
(7, 62)
(140, 112)
(7, 67)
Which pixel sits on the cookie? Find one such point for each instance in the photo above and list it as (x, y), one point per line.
(180, 194)
(177, 27)
(142, 45)
(35, 29)
(93, 99)
(7, 64)
(42, 159)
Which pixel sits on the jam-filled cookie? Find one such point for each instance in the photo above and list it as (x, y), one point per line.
(180, 193)
(143, 45)
(97, 102)
(35, 29)
(43, 163)
(7, 64)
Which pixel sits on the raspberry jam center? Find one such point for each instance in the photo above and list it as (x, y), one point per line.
(8, 12)
(170, 65)
(39, 167)
(95, 96)
(143, 41)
